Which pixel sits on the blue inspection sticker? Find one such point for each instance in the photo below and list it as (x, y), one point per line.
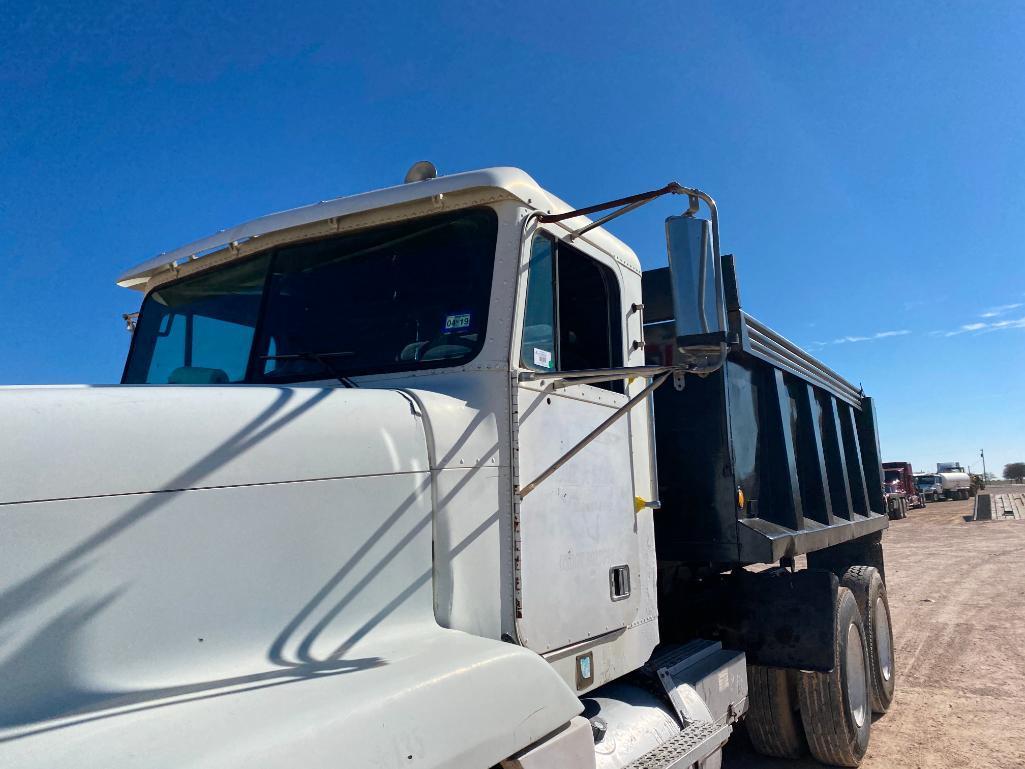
(457, 322)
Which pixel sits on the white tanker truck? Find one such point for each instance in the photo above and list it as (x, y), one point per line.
(956, 485)
(381, 488)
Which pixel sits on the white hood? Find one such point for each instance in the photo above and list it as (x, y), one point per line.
(237, 576)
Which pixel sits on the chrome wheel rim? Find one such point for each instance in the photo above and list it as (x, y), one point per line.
(856, 679)
(884, 648)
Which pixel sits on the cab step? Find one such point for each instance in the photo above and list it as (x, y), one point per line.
(693, 744)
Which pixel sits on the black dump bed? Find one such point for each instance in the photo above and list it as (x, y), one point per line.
(773, 455)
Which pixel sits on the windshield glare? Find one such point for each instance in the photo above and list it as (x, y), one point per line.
(409, 296)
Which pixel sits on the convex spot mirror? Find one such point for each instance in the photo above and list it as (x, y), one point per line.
(696, 285)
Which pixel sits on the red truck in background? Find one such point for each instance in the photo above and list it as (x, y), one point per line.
(900, 490)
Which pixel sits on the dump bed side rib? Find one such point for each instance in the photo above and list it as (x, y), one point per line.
(773, 455)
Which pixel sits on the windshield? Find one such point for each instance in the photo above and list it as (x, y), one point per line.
(892, 475)
(926, 480)
(409, 296)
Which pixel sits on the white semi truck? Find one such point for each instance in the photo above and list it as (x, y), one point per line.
(430, 477)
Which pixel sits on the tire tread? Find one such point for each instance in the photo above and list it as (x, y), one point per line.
(772, 723)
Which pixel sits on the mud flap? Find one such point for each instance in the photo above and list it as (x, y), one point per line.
(781, 619)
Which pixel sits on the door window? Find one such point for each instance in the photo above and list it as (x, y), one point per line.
(538, 349)
(572, 314)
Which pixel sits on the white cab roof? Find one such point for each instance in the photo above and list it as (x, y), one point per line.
(515, 183)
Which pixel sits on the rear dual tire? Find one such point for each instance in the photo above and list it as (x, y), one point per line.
(791, 712)
(869, 591)
(829, 714)
(835, 707)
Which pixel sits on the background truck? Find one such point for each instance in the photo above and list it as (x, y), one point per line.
(955, 485)
(900, 489)
(956, 481)
(930, 486)
(384, 485)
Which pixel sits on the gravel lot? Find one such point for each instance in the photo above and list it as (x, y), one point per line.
(957, 599)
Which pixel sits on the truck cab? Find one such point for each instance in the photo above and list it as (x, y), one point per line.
(425, 303)
(901, 487)
(930, 486)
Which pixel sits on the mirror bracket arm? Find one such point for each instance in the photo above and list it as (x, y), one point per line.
(625, 206)
(659, 374)
(694, 204)
(566, 378)
(587, 439)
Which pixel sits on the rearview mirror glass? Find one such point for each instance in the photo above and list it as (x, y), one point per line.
(696, 283)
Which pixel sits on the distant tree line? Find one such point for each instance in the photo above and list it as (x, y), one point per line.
(1015, 471)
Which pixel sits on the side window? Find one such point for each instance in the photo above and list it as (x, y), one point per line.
(589, 317)
(572, 315)
(538, 348)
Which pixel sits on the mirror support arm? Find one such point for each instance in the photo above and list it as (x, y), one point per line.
(586, 376)
(525, 490)
(627, 205)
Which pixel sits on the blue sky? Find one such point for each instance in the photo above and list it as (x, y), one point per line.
(868, 160)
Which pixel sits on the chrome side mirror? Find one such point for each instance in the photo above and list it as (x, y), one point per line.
(696, 284)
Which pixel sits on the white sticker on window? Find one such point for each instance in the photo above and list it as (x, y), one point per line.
(542, 358)
(457, 322)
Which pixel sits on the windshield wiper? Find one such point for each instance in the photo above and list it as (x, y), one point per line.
(323, 358)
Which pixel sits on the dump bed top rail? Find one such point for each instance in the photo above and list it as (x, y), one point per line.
(754, 336)
(761, 341)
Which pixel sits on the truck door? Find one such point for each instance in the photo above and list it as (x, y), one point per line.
(578, 547)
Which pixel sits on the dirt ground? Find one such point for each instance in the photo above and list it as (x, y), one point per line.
(957, 600)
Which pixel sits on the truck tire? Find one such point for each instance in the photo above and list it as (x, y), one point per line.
(773, 723)
(869, 591)
(835, 707)
(893, 509)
